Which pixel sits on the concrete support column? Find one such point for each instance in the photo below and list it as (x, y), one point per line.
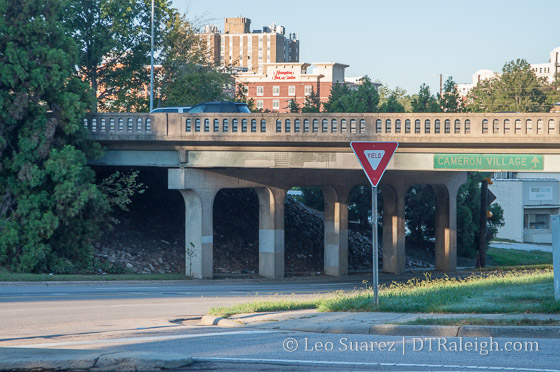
(271, 231)
(336, 230)
(394, 228)
(199, 232)
(446, 224)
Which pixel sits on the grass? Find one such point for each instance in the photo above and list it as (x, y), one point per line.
(514, 257)
(11, 277)
(483, 321)
(499, 292)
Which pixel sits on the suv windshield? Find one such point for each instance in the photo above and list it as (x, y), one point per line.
(220, 107)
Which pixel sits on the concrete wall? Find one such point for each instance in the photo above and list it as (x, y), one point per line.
(509, 196)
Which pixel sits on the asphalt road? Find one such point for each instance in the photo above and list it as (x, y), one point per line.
(138, 317)
(48, 309)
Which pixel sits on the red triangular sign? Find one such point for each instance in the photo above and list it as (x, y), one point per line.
(374, 157)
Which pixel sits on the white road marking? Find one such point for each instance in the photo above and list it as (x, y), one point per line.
(132, 339)
(320, 363)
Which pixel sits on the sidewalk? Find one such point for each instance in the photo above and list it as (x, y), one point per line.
(385, 324)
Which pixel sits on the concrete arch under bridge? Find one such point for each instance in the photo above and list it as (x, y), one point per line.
(200, 186)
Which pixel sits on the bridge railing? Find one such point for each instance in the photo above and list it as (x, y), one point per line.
(404, 127)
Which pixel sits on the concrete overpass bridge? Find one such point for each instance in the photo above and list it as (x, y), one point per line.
(273, 152)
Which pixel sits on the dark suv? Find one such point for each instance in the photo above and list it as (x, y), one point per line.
(217, 107)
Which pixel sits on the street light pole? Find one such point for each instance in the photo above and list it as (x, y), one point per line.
(152, 64)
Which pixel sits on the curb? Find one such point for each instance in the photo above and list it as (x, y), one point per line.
(209, 320)
(20, 359)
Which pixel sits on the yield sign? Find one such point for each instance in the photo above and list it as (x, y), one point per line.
(374, 157)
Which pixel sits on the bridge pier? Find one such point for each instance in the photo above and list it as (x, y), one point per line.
(446, 223)
(394, 227)
(199, 232)
(336, 230)
(271, 231)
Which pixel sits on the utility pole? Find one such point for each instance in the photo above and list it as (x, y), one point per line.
(152, 63)
(441, 85)
(482, 225)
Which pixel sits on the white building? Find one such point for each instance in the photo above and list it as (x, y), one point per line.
(528, 203)
(544, 70)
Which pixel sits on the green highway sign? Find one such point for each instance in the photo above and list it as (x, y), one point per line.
(496, 162)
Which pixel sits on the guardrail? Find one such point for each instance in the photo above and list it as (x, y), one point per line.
(320, 127)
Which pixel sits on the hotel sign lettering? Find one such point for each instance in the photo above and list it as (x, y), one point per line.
(283, 75)
(495, 162)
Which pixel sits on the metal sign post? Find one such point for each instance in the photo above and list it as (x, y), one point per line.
(375, 246)
(374, 158)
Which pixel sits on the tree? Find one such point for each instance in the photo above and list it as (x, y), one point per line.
(392, 104)
(293, 106)
(51, 210)
(420, 215)
(186, 77)
(339, 99)
(468, 208)
(366, 98)
(343, 99)
(518, 89)
(425, 101)
(312, 103)
(113, 39)
(450, 101)
(241, 96)
(480, 98)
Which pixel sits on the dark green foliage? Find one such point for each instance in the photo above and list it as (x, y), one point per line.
(420, 215)
(343, 99)
(113, 37)
(518, 90)
(241, 96)
(392, 104)
(186, 78)
(425, 101)
(293, 106)
(313, 198)
(359, 206)
(450, 101)
(468, 211)
(50, 208)
(312, 103)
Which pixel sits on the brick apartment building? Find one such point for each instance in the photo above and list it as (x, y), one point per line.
(247, 50)
(281, 82)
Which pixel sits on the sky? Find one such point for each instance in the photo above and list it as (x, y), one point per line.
(402, 43)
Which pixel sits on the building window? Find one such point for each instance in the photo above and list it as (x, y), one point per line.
(308, 89)
(292, 90)
(275, 104)
(537, 221)
(260, 91)
(260, 104)
(276, 90)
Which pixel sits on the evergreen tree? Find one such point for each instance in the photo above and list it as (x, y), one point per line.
(51, 210)
(425, 101)
(293, 106)
(450, 101)
(392, 104)
(312, 103)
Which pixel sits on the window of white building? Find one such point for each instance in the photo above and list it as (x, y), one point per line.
(276, 90)
(308, 89)
(276, 104)
(260, 104)
(260, 91)
(292, 90)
